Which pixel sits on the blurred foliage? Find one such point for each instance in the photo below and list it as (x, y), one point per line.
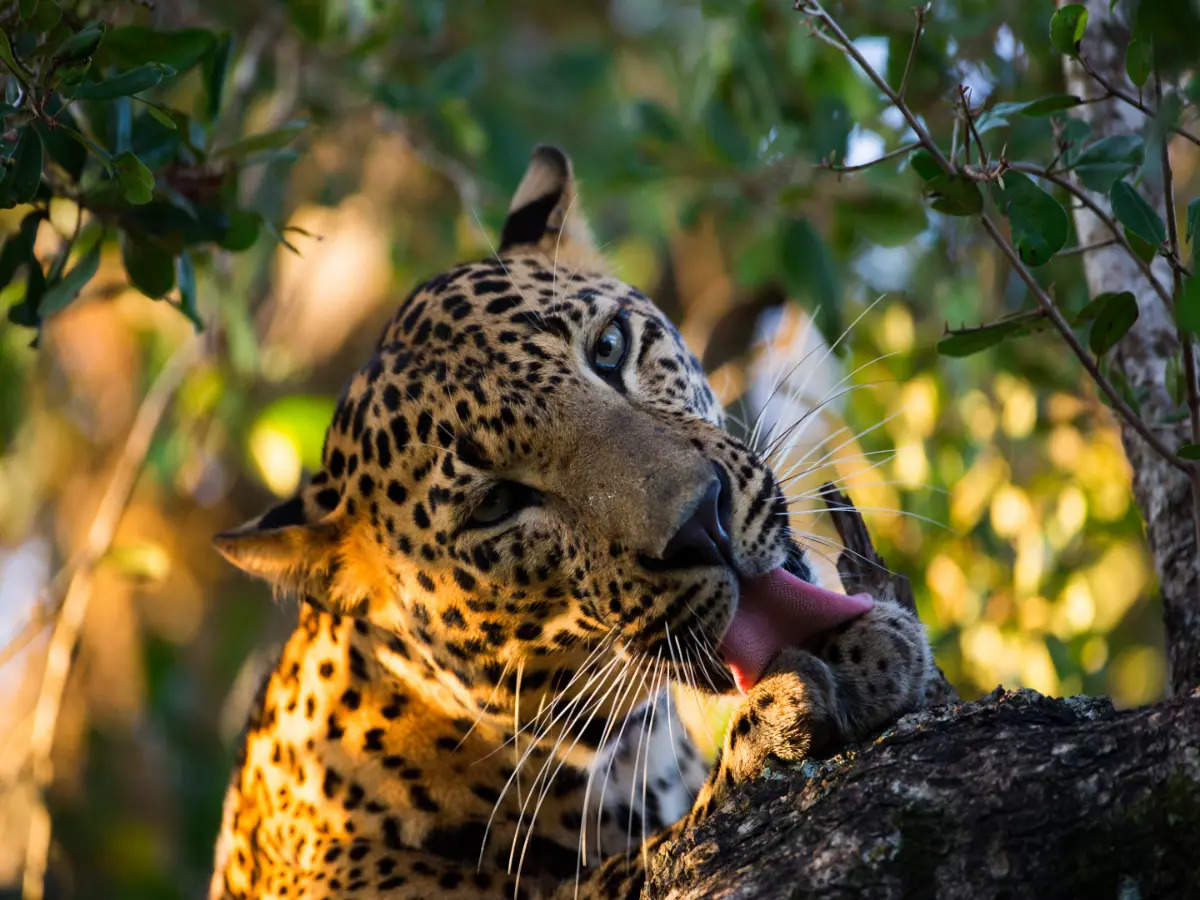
(695, 128)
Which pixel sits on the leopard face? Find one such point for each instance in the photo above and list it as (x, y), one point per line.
(530, 471)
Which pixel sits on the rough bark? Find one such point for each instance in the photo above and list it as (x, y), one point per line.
(1015, 795)
(1162, 492)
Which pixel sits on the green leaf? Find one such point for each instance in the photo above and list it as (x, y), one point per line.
(1193, 230)
(22, 178)
(456, 76)
(131, 81)
(1139, 59)
(1092, 308)
(18, 249)
(243, 230)
(81, 44)
(967, 341)
(310, 17)
(137, 181)
(28, 8)
(1143, 250)
(150, 269)
(1112, 321)
(216, 66)
(1067, 26)
(925, 165)
(1187, 305)
(1132, 211)
(1189, 451)
(9, 58)
(267, 140)
(1044, 106)
(1039, 223)
(185, 274)
(61, 293)
(888, 218)
(136, 45)
(1102, 163)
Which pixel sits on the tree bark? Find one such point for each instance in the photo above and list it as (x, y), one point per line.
(1162, 492)
(1014, 795)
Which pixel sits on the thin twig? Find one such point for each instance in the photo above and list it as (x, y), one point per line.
(1087, 248)
(74, 605)
(912, 50)
(1133, 101)
(1185, 339)
(1064, 328)
(891, 154)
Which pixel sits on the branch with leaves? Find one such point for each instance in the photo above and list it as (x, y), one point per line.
(1039, 225)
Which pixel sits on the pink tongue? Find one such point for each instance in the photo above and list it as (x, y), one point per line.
(777, 610)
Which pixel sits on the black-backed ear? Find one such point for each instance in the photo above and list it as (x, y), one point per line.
(544, 214)
(294, 545)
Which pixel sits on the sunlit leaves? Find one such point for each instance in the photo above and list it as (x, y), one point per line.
(1039, 223)
(1067, 26)
(65, 290)
(137, 181)
(1135, 213)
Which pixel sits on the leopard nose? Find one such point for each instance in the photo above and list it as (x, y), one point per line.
(703, 538)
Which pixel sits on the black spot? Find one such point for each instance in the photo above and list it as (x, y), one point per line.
(328, 498)
(465, 579)
(396, 492)
(289, 513)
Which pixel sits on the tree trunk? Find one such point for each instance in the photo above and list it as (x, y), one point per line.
(1163, 493)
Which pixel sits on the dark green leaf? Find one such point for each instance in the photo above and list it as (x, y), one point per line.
(1190, 451)
(18, 249)
(1112, 321)
(1092, 308)
(456, 76)
(131, 81)
(309, 17)
(925, 165)
(9, 59)
(885, 217)
(1102, 163)
(81, 44)
(22, 178)
(268, 140)
(186, 276)
(1193, 230)
(150, 269)
(1039, 223)
(1187, 305)
(62, 146)
(655, 121)
(26, 312)
(243, 230)
(28, 8)
(955, 196)
(967, 341)
(137, 181)
(1139, 59)
(1044, 106)
(216, 65)
(1067, 26)
(136, 45)
(1132, 211)
(1143, 250)
(59, 294)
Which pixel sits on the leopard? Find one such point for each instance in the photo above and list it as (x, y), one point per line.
(531, 524)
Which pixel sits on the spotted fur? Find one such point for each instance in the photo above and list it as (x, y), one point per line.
(467, 698)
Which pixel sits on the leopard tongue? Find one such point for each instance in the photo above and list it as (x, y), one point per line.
(777, 610)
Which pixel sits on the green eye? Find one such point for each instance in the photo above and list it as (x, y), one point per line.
(609, 350)
(503, 500)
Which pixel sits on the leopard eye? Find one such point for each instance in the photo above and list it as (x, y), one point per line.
(506, 498)
(609, 350)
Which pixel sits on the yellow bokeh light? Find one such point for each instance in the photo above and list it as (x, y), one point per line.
(919, 405)
(896, 329)
(1018, 413)
(1065, 446)
(910, 464)
(277, 458)
(1030, 562)
(1094, 654)
(977, 414)
(1136, 676)
(970, 495)
(1010, 511)
(1033, 614)
(1037, 668)
(1070, 513)
(1076, 609)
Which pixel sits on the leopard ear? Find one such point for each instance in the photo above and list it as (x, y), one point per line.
(294, 545)
(544, 214)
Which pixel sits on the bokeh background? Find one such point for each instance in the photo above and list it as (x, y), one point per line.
(996, 482)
